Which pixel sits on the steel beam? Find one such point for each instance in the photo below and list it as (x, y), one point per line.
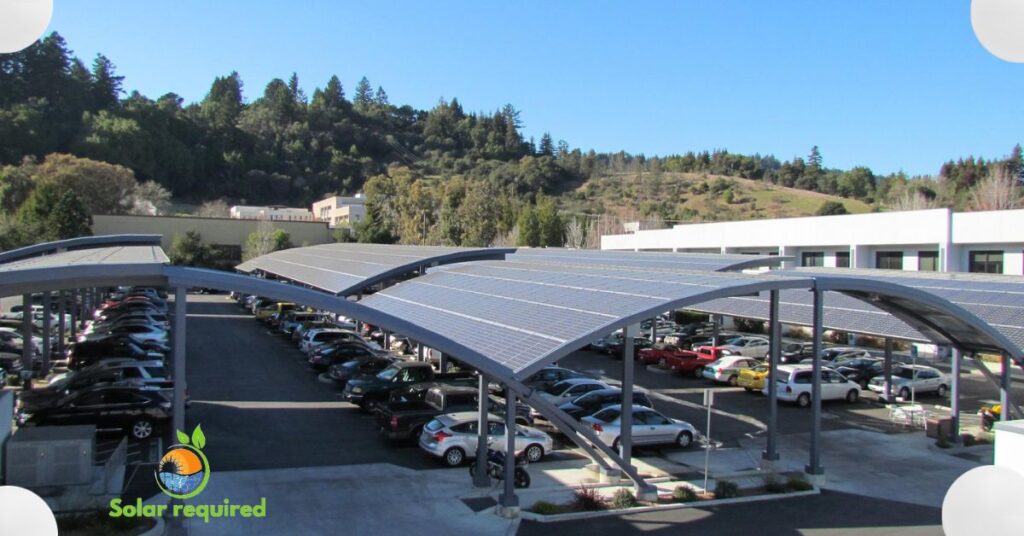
(887, 370)
(27, 349)
(1005, 395)
(508, 498)
(626, 417)
(771, 452)
(814, 466)
(47, 333)
(998, 381)
(75, 313)
(481, 480)
(954, 396)
(179, 321)
(61, 323)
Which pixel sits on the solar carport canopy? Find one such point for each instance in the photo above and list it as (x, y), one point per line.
(523, 315)
(345, 269)
(699, 262)
(84, 267)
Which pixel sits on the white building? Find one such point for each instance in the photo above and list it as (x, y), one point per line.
(339, 210)
(273, 213)
(936, 240)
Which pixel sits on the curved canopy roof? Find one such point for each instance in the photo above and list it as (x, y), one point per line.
(85, 242)
(698, 262)
(346, 269)
(104, 266)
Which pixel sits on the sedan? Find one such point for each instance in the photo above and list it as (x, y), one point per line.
(320, 361)
(753, 379)
(594, 401)
(570, 389)
(727, 369)
(649, 427)
(341, 373)
(133, 410)
(862, 370)
(747, 346)
(909, 380)
(453, 438)
(617, 348)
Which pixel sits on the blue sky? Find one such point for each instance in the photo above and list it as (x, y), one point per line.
(891, 85)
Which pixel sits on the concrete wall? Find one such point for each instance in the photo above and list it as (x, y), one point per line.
(217, 231)
(6, 424)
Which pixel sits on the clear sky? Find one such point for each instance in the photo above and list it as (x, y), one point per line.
(891, 85)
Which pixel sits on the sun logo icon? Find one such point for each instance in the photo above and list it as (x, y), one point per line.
(184, 470)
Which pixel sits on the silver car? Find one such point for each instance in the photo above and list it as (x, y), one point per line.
(649, 427)
(453, 438)
(910, 380)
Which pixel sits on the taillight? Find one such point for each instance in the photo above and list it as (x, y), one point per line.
(597, 427)
(441, 436)
(394, 422)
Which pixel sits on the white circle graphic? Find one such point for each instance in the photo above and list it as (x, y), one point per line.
(25, 513)
(984, 500)
(22, 22)
(997, 24)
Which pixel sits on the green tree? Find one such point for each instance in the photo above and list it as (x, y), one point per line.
(189, 250)
(373, 229)
(363, 99)
(547, 146)
(106, 86)
(265, 239)
(103, 188)
(552, 228)
(529, 228)
(69, 218)
(831, 208)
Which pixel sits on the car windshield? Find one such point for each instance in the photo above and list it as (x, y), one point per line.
(557, 388)
(782, 376)
(736, 341)
(433, 426)
(387, 373)
(907, 373)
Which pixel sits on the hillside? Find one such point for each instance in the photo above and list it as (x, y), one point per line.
(695, 197)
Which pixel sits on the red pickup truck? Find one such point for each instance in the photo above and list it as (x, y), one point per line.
(693, 362)
(659, 354)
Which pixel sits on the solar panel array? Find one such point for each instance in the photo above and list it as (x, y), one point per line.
(349, 268)
(712, 262)
(519, 313)
(106, 255)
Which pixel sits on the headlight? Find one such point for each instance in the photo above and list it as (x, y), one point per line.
(357, 390)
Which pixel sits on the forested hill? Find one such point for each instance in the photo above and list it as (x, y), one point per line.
(277, 145)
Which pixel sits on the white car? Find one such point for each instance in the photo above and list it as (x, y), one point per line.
(453, 438)
(794, 385)
(727, 369)
(910, 380)
(318, 336)
(747, 346)
(566, 390)
(649, 427)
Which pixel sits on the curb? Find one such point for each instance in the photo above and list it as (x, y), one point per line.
(642, 509)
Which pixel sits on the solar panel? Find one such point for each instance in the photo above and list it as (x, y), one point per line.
(711, 262)
(103, 255)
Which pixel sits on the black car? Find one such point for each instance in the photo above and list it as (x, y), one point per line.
(10, 364)
(321, 360)
(795, 352)
(341, 373)
(863, 369)
(87, 353)
(594, 401)
(616, 348)
(135, 411)
(548, 376)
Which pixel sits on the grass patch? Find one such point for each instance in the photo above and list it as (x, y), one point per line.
(546, 508)
(799, 484)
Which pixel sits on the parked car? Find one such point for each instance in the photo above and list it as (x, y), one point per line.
(320, 336)
(727, 369)
(601, 345)
(658, 354)
(138, 332)
(128, 372)
(10, 365)
(85, 353)
(320, 360)
(366, 389)
(649, 427)
(908, 380)
(746, 346)
(794, 385)
(692, 363)
(752, 379)
(589, 403)
(453, 438)
(795, 352)
(688, 342)
(135, 411)
(341, 373)
(401, 420)
(11, 340)
(837, 355)
(293, 319)
(616, 348)
(570, 389)
(862, 370)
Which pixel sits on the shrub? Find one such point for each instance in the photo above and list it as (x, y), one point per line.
(749, 326)
(588, 500)
(799, 484)
(624, 498)
(684, 494)
(772, 484)
(545, 508)
(725, 489)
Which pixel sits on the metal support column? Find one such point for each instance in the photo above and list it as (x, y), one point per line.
(771, 452)
(179, 320)
(61, 323)
(954, 397)
(442, 362)
(480, 479)
(508, 498)
(387, 340)
(27, 349)
(75, 313)
(654, 330)
(714, 330)
(47, 333)
(887, 371)
(626, 418)
(419, 352)
(1005, 398)
(814, 467)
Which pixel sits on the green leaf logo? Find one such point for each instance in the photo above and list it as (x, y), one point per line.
(198, 438)
(182, 437)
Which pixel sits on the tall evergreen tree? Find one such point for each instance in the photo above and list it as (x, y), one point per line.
(364, 95)
(106, 86)
(529, 228)
(547, 146)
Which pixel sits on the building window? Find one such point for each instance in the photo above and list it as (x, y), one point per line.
(812, 258)
(889, 260)
(842, 259)
(928, 261)
(986, 262)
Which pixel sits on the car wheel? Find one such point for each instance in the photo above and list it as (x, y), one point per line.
(905, 393)
(698, 372)
(523, 421)
(534, 453)
(615, 445)
(941, 391)
(733, 380)
(863, 383)
(684, 439)
(852, 396)
(662, 363)
(521, 479)
(142, 429)
(454, 457)
(803, 400)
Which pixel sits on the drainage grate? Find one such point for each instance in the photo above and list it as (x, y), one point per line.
(479, 504)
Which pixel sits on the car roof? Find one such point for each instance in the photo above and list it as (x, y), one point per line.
(450, 419)
(636, 408)
(577, 381)
(799, 367)
(614, 390)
